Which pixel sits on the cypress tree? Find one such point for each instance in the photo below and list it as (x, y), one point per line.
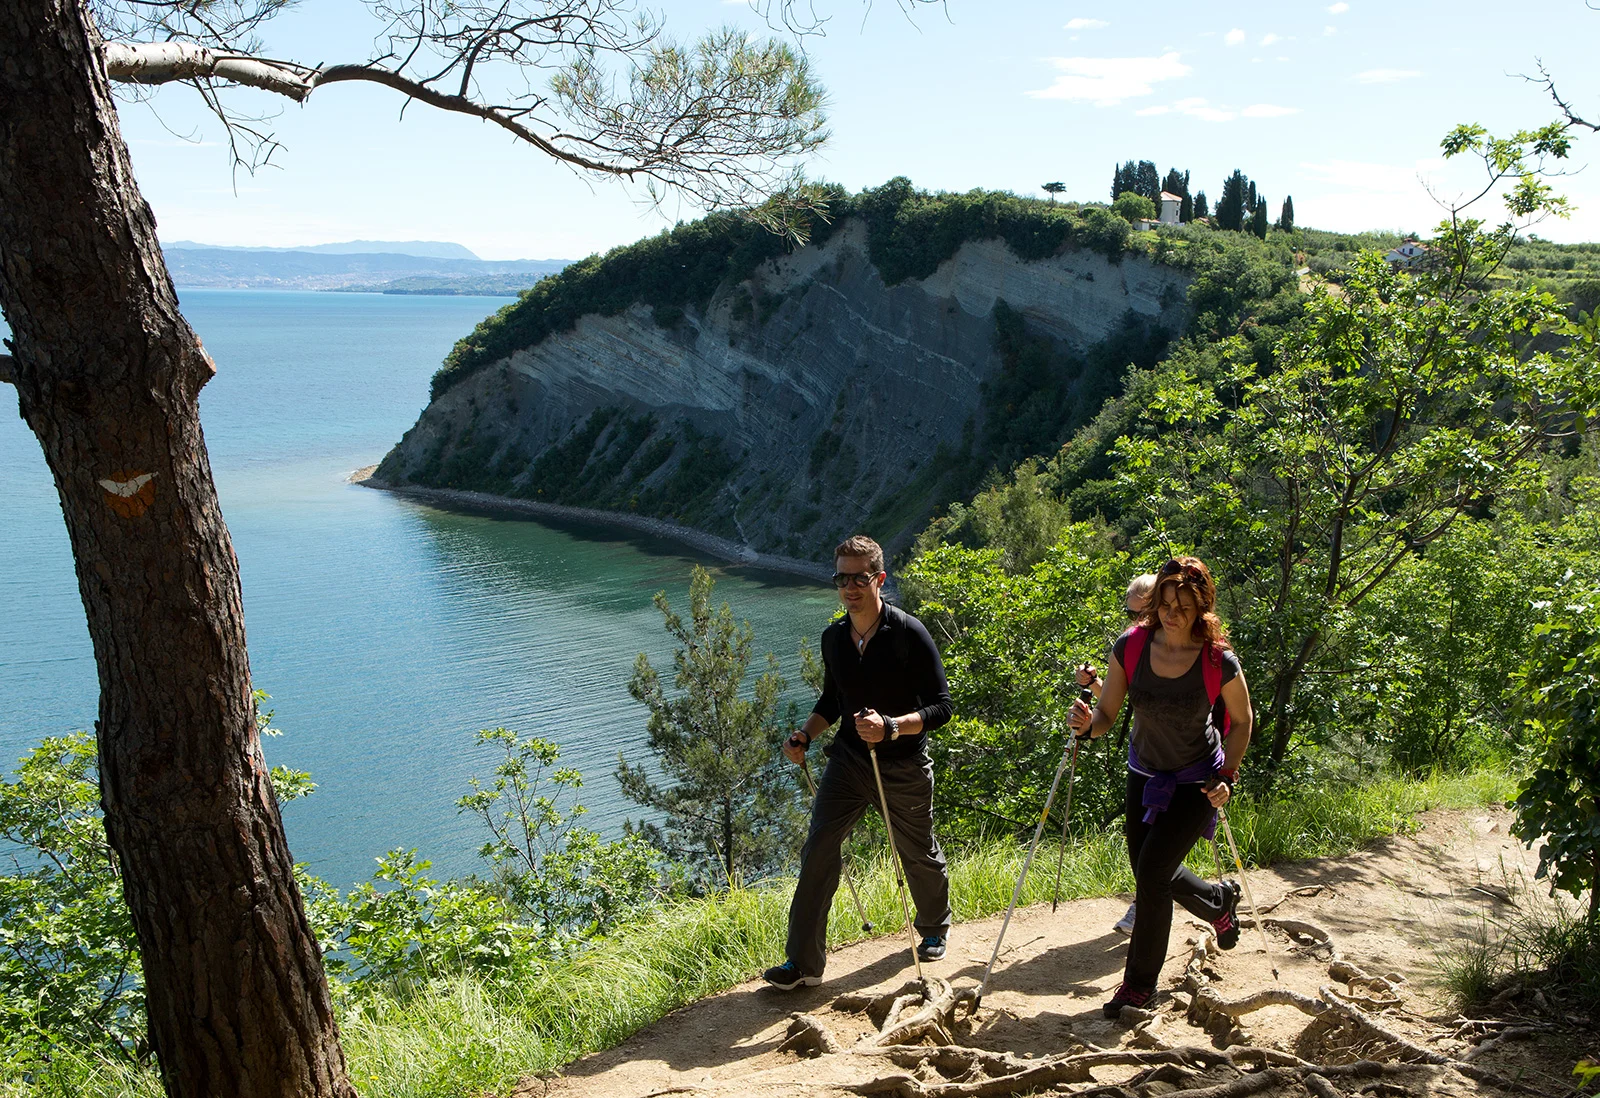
(1250, 195)
(1231, 209)
(1258, 223)
(1176, 183)
(1148, 181)
(1186, 209)
(1286, 218)
(1123, 179)
(1201, 209)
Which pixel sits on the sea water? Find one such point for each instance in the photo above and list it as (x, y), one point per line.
(386, 631)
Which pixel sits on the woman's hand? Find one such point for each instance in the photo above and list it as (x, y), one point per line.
(1088, 675)
(1081, 718)
(1219, 792)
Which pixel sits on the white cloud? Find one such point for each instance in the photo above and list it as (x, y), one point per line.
(1327, 31)
(1366, 177)
(1086, 24)
(1199, 108)
(1352, 195)
(1106, 81)
(1147, 112)
(1268, 39)
(1268, 110)
(1338, 9)
(1233, 37)
(1385, 76)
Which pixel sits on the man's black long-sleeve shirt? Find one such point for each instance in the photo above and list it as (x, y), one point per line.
(900, 672)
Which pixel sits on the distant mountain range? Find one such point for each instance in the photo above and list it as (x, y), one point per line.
(414, 266)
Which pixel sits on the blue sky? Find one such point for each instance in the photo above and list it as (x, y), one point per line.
(1339, 104)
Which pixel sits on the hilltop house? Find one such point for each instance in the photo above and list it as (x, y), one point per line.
(1407, 254)
(1170, 205)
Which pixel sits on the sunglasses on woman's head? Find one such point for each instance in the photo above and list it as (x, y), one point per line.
(1175, 567)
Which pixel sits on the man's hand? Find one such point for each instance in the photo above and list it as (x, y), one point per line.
(870, 726)
(794, 748)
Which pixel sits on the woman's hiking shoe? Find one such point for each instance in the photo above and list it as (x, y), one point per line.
(1124, 925)
(786, 977)
(931, 948)
(1227, 925)
(1126, 996)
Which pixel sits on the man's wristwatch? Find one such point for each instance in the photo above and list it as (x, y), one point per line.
(893, 726)
(1230, 775)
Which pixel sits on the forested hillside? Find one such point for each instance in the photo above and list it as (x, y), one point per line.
(713, 377)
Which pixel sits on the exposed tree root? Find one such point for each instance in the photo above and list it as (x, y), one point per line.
(918, 1030)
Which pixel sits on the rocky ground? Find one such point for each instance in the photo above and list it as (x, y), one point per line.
(1358, 1006)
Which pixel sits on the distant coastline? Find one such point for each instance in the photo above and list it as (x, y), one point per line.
(710, 544)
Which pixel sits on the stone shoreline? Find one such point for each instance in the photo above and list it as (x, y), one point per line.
(710, 544)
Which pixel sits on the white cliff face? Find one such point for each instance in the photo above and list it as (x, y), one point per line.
(828, 393)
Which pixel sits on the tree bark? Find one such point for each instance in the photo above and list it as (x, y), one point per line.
(1278, 718)
(108, 376)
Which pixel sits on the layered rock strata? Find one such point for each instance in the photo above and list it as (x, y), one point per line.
(803, 403)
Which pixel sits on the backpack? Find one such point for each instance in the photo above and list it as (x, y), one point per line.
(1210, 668)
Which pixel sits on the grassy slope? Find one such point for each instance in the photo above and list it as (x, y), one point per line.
(456, 1039)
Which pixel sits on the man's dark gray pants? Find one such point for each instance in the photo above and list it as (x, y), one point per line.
(844, 795)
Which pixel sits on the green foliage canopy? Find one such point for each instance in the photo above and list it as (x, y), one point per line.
(1011, 641)
(1134, 207)
(69, 965)
(1558, 805)
(1400, 405)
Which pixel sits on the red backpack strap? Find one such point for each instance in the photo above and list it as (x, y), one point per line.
(1138, 637)
(1211, 672)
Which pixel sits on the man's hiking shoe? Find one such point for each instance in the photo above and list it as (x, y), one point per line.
(1126, 996)
(931, 948)
(786, 977)
(1124, 925)
(1227, 925)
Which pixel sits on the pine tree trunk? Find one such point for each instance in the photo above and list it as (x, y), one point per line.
(108, 376)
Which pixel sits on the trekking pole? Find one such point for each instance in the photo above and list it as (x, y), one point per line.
(1016, 893)
(1272, 960)
(894, 856)
(1085, 695)
(866, 923)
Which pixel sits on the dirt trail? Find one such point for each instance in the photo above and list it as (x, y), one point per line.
(1391, 910)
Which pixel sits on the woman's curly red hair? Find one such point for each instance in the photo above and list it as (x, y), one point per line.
(1189, 574)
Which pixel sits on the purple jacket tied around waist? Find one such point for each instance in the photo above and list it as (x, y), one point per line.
(1163, 783)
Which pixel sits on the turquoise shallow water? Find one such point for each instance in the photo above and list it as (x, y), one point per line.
(386, 631)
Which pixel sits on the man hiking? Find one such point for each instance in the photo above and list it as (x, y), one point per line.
(885, 685)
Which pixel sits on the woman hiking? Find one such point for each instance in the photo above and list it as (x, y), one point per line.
(1191, 725)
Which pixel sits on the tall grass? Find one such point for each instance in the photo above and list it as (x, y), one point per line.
(458, 1037)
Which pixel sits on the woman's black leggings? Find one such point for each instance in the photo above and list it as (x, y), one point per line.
(1156, 852)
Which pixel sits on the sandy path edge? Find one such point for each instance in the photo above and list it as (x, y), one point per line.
(1395, 907)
